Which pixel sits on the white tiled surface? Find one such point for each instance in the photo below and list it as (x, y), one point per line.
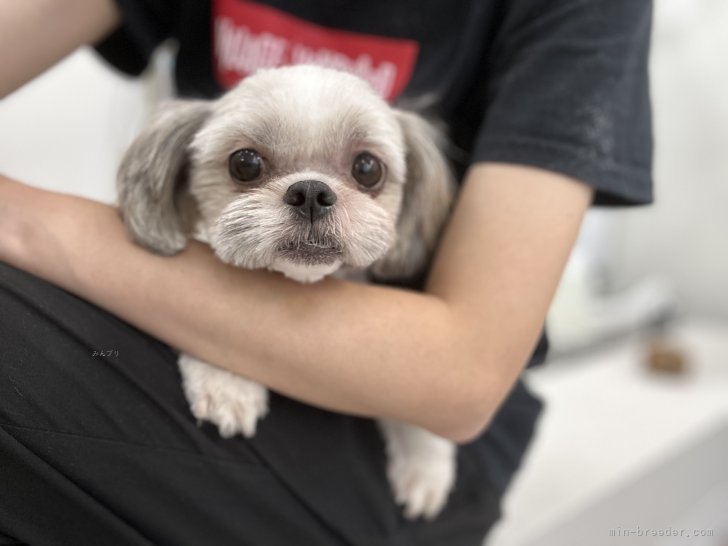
(608, 424)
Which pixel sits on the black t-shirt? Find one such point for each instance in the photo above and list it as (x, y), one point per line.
(556, 84)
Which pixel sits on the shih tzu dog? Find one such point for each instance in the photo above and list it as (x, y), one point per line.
(305, 171)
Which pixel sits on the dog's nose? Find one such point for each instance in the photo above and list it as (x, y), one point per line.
(310, 198)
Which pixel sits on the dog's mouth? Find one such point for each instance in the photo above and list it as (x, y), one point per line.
(311, 251)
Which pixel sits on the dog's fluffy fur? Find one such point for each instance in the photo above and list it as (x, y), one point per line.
(308, 123)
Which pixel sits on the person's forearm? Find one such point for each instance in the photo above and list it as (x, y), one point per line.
(348, 347)
(442, 360)
(35, 34)
(353, 348)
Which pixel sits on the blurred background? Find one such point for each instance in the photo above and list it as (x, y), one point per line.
(633, 445)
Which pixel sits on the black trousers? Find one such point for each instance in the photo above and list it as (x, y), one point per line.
(97, 447)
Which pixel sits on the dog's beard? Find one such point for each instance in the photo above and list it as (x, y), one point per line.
(312, 246)
(256, 232)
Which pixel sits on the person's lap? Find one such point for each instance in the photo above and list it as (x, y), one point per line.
(97, 444)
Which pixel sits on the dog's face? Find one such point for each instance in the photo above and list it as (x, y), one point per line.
(301, 169)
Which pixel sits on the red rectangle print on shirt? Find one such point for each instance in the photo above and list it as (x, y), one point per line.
(249, 36)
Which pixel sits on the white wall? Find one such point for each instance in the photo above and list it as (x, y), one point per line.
(684, 237)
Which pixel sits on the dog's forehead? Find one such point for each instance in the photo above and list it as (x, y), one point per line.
(307, 105)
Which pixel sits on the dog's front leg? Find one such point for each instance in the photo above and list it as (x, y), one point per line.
(421, 468)
(233, 403)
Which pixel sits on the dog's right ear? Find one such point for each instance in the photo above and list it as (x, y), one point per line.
(154, 202)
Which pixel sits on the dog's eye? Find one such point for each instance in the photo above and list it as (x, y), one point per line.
(245, 165)
(367, 170)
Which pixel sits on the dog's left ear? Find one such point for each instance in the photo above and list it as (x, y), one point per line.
(427, 198)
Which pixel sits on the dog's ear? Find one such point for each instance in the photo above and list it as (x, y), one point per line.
(153, 198)
(427, 198)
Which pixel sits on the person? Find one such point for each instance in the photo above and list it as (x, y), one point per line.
(547, 103)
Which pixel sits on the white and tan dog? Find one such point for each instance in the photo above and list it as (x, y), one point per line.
(305, 171)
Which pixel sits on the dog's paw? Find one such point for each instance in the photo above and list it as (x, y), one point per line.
(232, 403)
(421, 468)
(421, 485)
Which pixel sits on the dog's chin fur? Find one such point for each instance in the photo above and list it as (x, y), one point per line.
(304, 272)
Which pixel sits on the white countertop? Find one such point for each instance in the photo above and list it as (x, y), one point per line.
(611, 432)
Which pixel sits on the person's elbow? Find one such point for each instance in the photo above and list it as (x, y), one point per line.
(468, 404)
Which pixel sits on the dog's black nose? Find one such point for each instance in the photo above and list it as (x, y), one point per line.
(310, 198)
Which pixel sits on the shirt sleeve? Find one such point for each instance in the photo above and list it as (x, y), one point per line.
(568, 91)
(145, 24)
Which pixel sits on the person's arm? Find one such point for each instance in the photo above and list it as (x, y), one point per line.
(35, 34)
(444, 359)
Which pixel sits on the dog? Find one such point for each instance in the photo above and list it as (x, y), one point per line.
(305, 171)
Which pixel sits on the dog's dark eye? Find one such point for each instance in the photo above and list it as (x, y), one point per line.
(245, 165)
(367, 170)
